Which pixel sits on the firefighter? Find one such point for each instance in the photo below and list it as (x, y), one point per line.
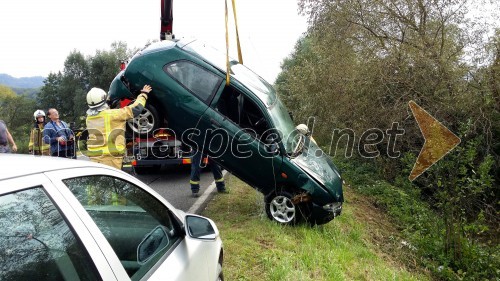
(36, 145)
(106, 126)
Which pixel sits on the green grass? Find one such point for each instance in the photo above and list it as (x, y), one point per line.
(348, 248)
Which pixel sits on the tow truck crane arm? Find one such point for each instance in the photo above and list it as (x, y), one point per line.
(166, 20)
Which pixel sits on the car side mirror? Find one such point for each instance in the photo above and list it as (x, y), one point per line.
(152, 243)
(200, 228)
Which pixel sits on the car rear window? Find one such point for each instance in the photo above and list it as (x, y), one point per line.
(199, 81)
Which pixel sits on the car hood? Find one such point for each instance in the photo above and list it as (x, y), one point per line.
(320, 167)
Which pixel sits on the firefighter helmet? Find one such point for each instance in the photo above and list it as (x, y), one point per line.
(38, 113)
(96, 97)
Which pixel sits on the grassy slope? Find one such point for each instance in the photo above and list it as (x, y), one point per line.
(361, 244)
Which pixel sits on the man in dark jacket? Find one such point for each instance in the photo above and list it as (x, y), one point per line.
(60, 137)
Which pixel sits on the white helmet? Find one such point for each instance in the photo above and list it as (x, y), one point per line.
(96, 97)
(37, 113)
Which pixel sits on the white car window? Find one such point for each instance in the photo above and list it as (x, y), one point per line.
(139, 228)
(36, 242)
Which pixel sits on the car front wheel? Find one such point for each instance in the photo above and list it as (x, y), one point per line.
(281, 209)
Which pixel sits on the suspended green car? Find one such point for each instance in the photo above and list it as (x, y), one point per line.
(243, 126)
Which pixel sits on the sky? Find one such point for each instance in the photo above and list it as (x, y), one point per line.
(38, 35)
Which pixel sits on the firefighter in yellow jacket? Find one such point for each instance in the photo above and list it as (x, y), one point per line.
(106, 126)
(36, 145)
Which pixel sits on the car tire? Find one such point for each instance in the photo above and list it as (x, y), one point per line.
(145, 123)
(281, 209)
(220, 274)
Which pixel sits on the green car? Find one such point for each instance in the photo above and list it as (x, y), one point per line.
(242, 125)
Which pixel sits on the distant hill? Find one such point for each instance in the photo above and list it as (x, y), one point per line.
(23, 82)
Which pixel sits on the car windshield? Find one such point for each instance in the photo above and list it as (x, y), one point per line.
(262, 89)
(283, 123)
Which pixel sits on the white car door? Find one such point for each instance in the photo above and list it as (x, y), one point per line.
(140, 233)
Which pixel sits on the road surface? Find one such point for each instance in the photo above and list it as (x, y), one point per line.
(173, 184)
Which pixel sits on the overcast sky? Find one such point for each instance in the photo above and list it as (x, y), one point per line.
(37, 35)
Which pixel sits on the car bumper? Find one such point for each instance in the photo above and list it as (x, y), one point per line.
(326, 213)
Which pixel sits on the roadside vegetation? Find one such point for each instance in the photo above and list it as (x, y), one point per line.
(361, 244)
(356, 70)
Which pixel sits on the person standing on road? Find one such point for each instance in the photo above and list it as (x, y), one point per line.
(5, 139)
(60, 137)
(106, 126)
(36, 145)
(195, 174)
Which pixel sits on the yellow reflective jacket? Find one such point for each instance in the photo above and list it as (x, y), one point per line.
(36, 145)
(106, 130)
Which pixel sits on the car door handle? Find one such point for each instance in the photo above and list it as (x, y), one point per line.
(214, 123)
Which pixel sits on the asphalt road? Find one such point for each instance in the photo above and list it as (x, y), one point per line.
(173, 184)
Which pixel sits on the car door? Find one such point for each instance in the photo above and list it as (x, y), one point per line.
(41, 238)
(191, 91)
(141, 234)
(235, 131)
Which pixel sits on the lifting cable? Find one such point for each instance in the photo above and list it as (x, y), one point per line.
(240, 56)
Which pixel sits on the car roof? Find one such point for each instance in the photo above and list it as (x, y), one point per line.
(20, 165)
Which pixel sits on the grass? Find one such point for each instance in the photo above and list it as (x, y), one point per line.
(359, 245)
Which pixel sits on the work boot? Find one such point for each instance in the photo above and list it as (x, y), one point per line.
(195, 193)
(195, 187)
(222, 190)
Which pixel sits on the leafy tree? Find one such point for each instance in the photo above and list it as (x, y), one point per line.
(67, 90)
(50, 95)
(360, 64)
(105, 65)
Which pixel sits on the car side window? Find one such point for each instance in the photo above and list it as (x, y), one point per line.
(139, 228)
(196, 79)
(36, 243)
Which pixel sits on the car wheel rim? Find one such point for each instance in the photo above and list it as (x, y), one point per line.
(282, 209)
(143, 123)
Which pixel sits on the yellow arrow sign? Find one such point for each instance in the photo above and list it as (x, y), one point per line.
(439, 141)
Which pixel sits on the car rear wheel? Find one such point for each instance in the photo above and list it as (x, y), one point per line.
(145, 123)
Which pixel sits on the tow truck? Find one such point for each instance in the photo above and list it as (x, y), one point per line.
(150, 147)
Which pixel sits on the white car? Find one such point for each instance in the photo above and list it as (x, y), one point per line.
(63, 219)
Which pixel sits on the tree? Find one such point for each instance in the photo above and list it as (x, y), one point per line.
(50, 93)
(67, 90)
(360, 64)
(105, 65)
